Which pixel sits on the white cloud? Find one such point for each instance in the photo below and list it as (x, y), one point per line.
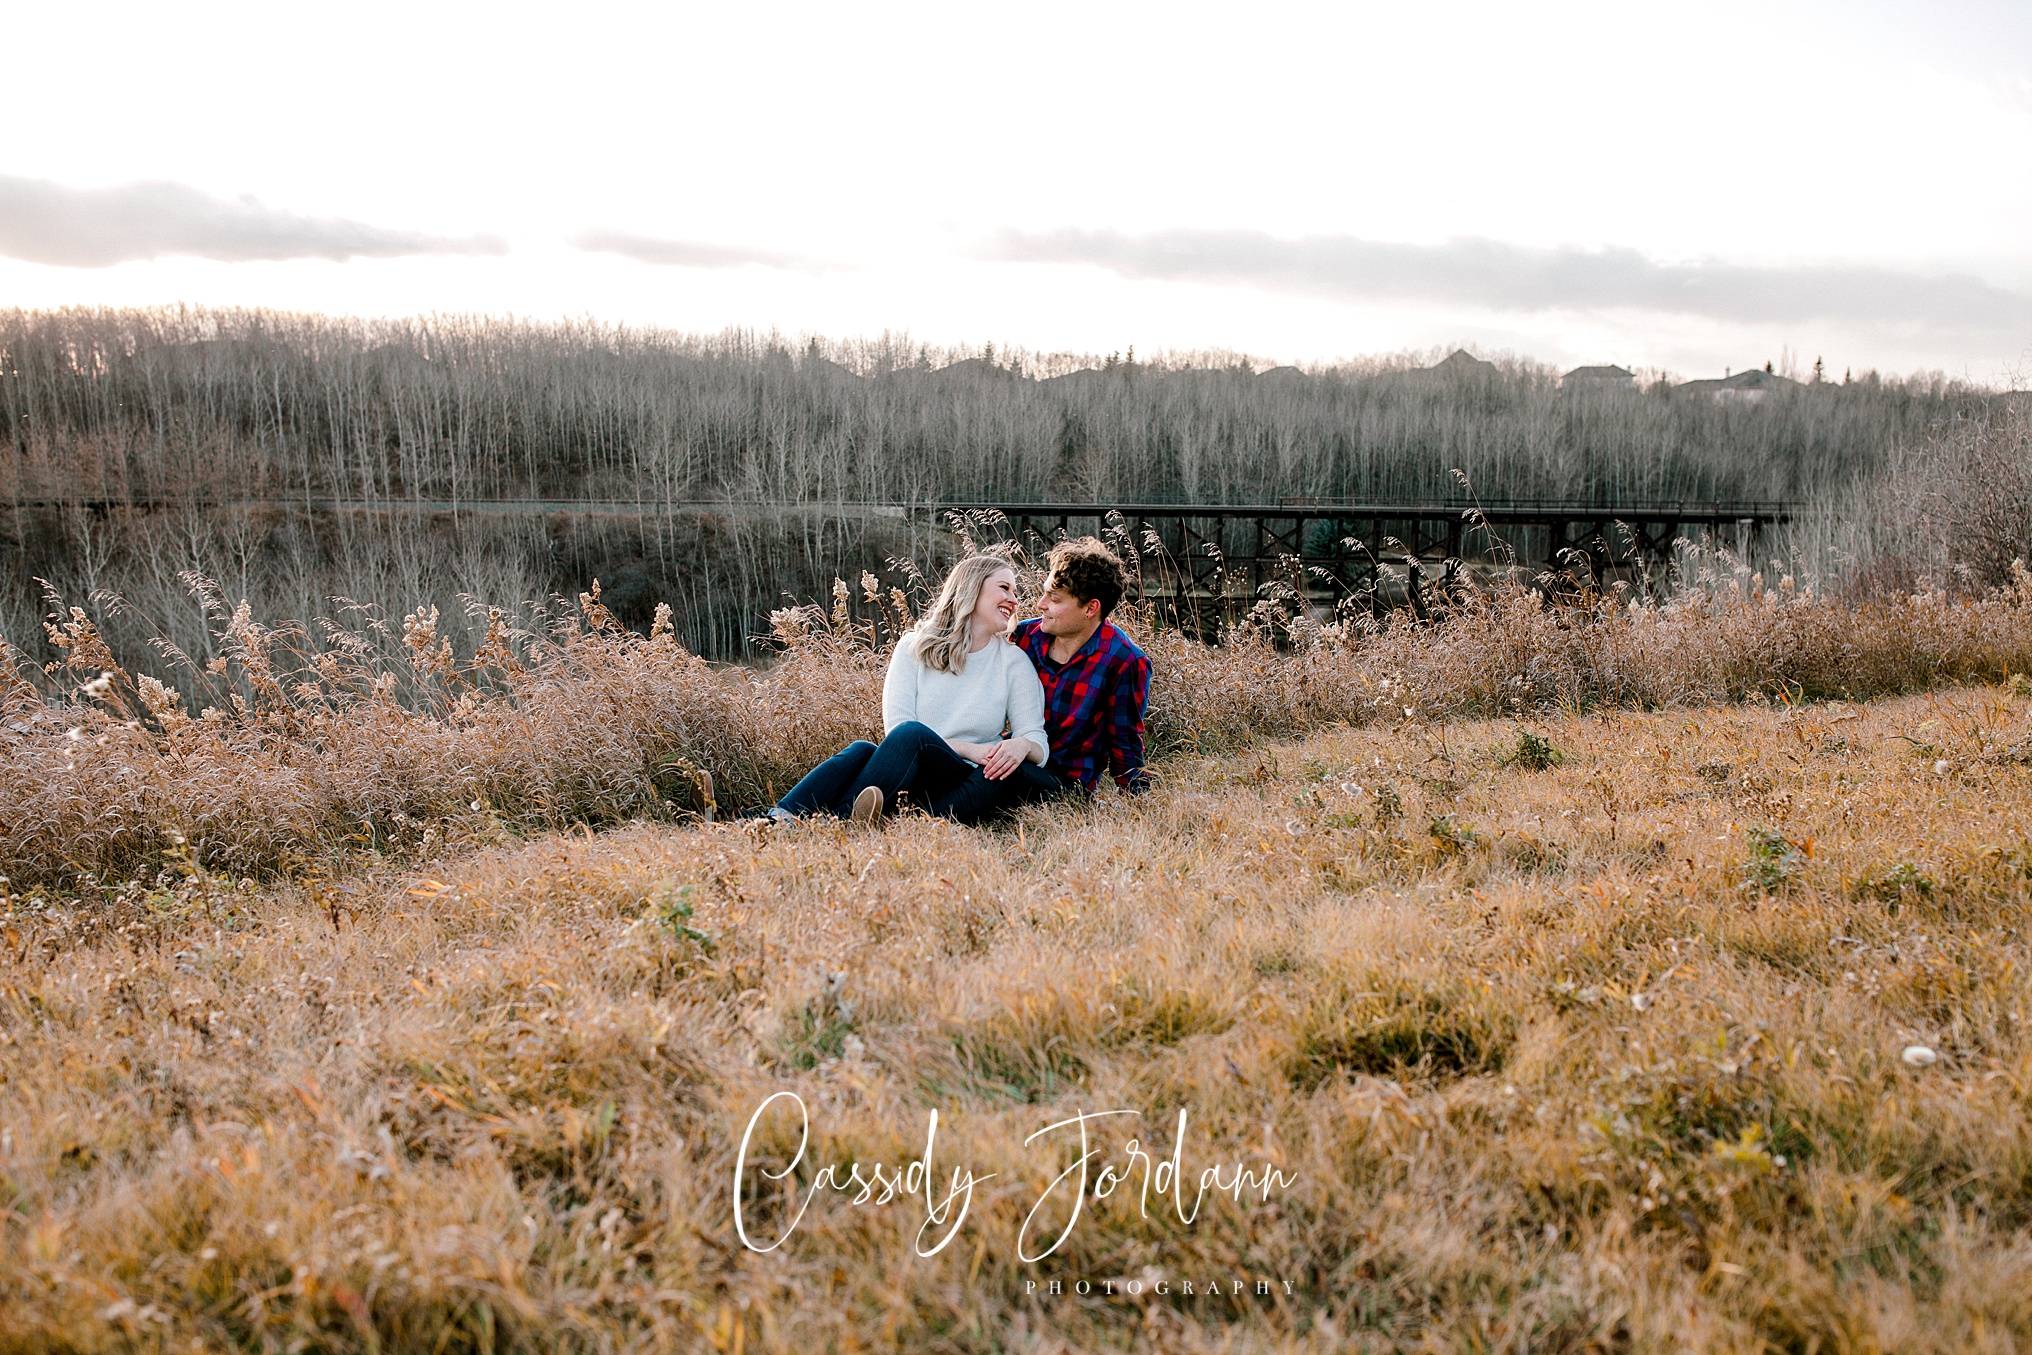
(46, 222)
(654, 250)
(1870, 152)
(1508, 277)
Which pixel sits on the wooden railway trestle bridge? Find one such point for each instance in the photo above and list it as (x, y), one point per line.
(1344, 549)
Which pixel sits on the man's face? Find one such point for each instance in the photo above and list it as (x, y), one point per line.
(1060, 613)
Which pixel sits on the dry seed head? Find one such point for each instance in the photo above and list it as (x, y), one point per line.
(419, 630)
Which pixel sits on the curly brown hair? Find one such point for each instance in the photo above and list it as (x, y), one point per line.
(1088, 570)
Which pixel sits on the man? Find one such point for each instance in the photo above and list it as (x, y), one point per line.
(1096, 681)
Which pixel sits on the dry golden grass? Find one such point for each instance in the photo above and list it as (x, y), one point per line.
(296, 757)
(1605, 1055)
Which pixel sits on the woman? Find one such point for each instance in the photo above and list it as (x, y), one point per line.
(954, 684)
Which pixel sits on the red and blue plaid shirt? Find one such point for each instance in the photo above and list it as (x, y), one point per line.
(1093, 705)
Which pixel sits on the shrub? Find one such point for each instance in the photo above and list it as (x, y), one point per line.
(1774, 861)
(674, 911)
(1452, 837)
(1533, 753)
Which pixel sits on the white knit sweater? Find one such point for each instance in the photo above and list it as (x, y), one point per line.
(999, 688)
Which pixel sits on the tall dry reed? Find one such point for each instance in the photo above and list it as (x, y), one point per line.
(301, 753)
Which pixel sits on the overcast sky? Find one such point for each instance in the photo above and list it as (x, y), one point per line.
(1690, 187)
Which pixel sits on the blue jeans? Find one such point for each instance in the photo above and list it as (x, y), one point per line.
(912, 760)
(1032, 783)
(828, 787)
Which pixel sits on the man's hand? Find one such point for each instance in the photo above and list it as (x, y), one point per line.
(1004, 758)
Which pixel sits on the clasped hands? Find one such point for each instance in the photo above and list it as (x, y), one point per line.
(999, 761)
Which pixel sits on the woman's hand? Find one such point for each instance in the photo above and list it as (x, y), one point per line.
(1005, 757)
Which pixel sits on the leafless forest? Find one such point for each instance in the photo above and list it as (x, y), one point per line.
(298, 459)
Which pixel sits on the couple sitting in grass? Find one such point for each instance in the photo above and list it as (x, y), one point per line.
(981, 718)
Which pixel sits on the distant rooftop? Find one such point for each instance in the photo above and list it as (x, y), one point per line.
(1460, 362)
(1601, 374)
(1757, 379)
(1752, 384)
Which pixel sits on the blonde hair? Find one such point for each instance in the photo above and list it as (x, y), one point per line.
(946, 632)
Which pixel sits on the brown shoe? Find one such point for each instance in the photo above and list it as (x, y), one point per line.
(868, 806)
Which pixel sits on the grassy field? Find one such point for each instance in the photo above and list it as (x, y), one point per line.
(1598, 1031)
